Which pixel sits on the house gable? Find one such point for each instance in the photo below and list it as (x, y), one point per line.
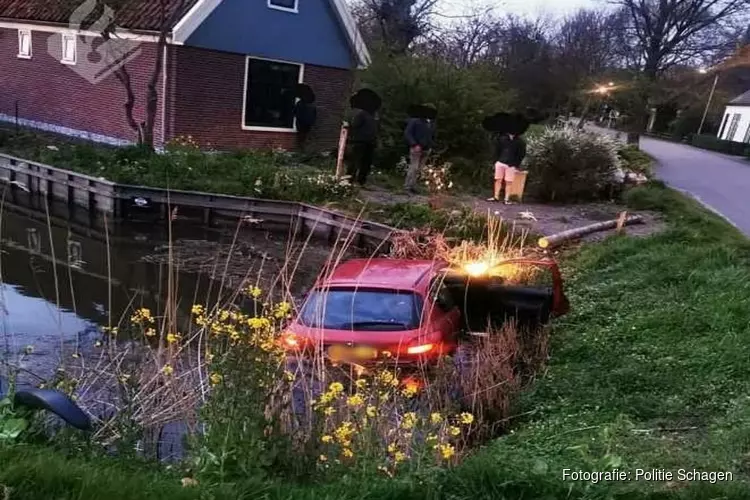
(315, 34)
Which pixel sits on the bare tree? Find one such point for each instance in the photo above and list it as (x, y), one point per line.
(664, 33)
(396, 24)
(168, 12)
(660, 34)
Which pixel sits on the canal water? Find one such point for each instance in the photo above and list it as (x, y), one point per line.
(65, 273)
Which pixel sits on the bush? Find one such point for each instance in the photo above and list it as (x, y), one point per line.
(273, 175)
(713, 143)
(463, 96)
(635, 160)
(568, 165)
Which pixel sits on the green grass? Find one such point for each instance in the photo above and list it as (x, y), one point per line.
(649, 370)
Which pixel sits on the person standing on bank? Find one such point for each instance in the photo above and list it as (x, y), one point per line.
(510, 151)
(363, 135)
(420, 136)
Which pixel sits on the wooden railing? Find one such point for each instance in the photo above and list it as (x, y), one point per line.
(101, 195)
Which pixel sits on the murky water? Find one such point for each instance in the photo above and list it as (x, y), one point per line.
(65, 272)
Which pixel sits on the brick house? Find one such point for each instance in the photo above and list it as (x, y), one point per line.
(228, 75)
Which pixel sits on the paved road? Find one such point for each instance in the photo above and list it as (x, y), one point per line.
(720, 182)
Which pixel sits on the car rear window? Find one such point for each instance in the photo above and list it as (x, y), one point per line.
(362, 310)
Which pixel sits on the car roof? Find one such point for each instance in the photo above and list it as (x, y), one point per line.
(397, 274)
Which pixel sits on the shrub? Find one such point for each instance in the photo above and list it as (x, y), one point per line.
(463, 96)
(567, 165)
(635, 160)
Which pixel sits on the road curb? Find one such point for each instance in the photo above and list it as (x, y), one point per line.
(710, 208)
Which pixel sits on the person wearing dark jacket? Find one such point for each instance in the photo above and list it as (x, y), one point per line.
(363, 137)
(420, 136)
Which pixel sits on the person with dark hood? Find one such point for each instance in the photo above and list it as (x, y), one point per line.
(420, 137)
(305, 114)
(363, 135)
(510, 151)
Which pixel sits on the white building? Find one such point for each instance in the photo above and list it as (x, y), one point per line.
(735, 126)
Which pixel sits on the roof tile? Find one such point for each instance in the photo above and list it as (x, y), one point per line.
(132, 14)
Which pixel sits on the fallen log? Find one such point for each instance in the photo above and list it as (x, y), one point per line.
(559, 238)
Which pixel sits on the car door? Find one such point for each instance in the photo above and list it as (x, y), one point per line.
(443, 314)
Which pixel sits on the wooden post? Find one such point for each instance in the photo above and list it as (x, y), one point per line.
(621, 222)
(342, 150)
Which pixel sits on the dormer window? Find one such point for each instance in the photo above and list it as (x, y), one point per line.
(285, 5)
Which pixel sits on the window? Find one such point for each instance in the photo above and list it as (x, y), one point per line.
(362, 310)
(723, 126)
(24, 44)
(68, 48)
(270, 95)
(287, 5)
(733, 126)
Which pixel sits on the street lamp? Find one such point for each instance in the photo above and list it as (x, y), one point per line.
(601, 90)
(710, 98)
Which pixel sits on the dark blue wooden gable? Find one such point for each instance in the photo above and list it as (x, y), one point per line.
(313, 35)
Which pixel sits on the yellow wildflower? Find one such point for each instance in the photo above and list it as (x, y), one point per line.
(326, 439)
(392, 448)
(167, 370)
(289, 376)
(172, 338)
(399, 456)
(386, 377)
(216, 378)
(436, 418)
(150, 332)
(454, 431)
(255, 292)
(446, 451)
(361, 383)
(282, 310)
(384, 397)
(355, 401)
(409, 420)
(466, 418)
(344, 432)
(197, 310)
(371, 411)
(347, 453)
(336, 388)
(329, 411)
(431, 438)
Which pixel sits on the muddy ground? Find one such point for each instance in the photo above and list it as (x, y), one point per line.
(540, 219)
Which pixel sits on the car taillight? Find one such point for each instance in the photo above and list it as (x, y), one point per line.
(420, 349)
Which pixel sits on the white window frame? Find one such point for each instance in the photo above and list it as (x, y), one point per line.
(294, 10)
(301, 79)
(734, 124)
(21, 34)
(71, 38)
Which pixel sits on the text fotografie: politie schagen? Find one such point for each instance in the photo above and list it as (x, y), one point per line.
(655, 475)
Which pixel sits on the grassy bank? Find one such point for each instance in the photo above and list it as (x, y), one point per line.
(649, 371)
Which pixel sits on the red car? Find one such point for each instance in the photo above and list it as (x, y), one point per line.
(370, 310)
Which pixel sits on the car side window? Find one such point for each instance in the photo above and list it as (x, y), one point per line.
(440, 295)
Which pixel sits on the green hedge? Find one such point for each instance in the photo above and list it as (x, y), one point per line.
(713, 143)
